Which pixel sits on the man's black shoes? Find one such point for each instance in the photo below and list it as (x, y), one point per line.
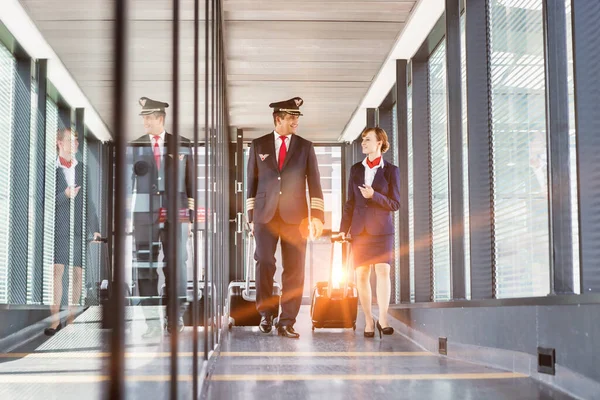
(287, 331)
(266, 324)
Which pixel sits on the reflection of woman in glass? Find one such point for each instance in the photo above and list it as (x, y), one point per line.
(69, 178)
(373, 194)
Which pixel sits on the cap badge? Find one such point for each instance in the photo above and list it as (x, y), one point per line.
(298, 102)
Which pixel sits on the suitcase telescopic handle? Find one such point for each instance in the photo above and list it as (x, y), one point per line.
(335, 238)
(249, 258)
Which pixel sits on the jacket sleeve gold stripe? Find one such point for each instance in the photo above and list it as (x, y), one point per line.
(317, 203)
(191, 202)
(250, 204)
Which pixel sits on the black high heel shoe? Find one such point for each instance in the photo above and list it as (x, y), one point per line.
(52, 331)
(388, 330)
(370, 334)
(379, 328)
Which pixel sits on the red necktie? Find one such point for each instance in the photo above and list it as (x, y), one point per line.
(156, 152)
(282, 152)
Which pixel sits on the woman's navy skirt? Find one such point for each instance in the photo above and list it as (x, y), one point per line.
(372, 249)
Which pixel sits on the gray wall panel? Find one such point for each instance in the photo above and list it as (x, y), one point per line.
(573, 330)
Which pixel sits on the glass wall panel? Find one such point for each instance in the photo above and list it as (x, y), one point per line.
(440, 219)
(35, 209)
(318, 251)
(467, 232)
(519, 148)
(49, 200)
(411, 209)
(7, 86)
(573, 152)
(396, 266)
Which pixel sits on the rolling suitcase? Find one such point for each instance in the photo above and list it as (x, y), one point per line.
(331, 306)
(241, 299)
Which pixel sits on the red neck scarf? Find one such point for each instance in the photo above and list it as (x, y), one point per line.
(65, 163)
(374, 163)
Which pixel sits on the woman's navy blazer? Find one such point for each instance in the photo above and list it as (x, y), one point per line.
(372, 215)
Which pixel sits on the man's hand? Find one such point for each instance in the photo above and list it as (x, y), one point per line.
(316, 228)
(97, 236)
(367, 191)
(251, 228)
(72, 194)
(190, 228)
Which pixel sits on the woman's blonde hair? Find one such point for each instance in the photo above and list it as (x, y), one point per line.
(380, 135)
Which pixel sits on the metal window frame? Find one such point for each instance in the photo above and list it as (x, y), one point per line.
(423, 273)
(455, 151)
(481, 195)
(557, 130)
(585, 17)
(401, 104)
(19, 215)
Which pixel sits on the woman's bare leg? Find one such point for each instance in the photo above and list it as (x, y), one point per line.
(384, 288)
(77, 277)
(363, 285)
(55, 306)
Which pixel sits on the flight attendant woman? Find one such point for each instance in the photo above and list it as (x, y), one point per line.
(373, 195)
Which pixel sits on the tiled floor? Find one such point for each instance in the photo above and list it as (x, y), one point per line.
(325, 364)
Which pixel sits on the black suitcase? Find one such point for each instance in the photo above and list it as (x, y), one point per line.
(335, 306)
(241, 299)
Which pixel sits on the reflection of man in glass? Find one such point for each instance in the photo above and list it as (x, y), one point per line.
(68, 215)
(151, 168)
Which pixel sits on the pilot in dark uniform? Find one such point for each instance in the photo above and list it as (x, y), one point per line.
(279, 166)
(151, 168)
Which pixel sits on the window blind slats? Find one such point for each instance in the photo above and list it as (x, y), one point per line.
(49, 199)
(519, 148)
(439, 174)
(7, 83)
(411, 210)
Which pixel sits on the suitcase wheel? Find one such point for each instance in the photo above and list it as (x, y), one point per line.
(354, 327)
(313, 328)
(229, 326)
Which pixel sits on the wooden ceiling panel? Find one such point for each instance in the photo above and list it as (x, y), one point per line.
(326, 52)
(103, 10)
(377, 11)
(299, 30)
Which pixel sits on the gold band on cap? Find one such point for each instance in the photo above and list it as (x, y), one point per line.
(289, 110)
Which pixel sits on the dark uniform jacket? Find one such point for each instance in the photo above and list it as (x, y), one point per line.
(151, 182)
(372, 215)
(62, 221)
(270, 190)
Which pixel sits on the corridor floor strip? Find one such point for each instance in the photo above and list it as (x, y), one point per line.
(60, 378)
(326, 354)
(66, 354)
(394, 377)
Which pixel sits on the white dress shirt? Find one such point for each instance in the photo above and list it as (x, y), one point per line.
(370, 173)
(278, 142)
(69, 172)
(161, 143)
